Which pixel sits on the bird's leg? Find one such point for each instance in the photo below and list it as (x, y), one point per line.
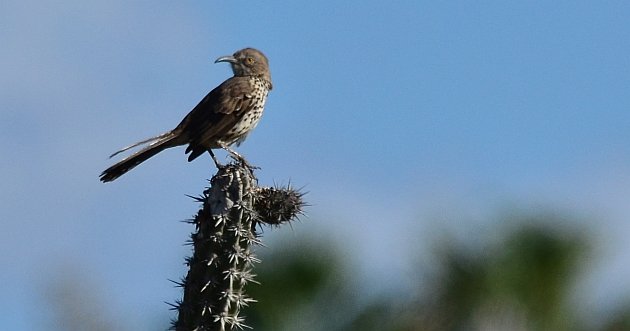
(238, 157)
(214, 158)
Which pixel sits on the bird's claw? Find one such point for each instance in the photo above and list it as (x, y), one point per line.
(241, 160)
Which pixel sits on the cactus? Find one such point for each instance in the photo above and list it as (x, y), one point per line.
(233, 208)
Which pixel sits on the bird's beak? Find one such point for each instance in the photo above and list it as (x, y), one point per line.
(228, 58)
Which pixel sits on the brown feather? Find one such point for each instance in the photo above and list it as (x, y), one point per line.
(223, 117)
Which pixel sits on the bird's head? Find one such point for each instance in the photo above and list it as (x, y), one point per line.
(248, 62)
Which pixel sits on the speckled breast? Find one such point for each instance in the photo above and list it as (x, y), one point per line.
(250, 118)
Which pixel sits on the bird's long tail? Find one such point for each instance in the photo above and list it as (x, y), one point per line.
(156, 145)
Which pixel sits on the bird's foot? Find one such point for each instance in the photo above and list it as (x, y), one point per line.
(239, 158)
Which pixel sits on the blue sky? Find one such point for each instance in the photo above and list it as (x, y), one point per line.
(399, 117)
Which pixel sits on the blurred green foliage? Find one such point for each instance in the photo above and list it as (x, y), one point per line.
(523, 281)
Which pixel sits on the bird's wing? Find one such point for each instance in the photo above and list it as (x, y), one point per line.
(217, 112)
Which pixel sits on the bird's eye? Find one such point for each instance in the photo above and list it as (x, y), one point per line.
(249, 60)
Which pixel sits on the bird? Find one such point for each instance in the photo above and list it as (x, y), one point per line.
(225, 116)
